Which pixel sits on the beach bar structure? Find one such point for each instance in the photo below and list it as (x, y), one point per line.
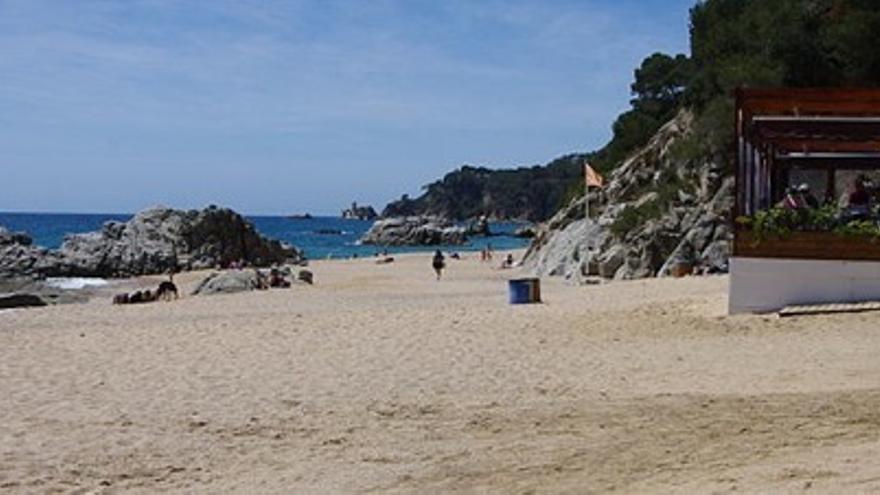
(827, 139)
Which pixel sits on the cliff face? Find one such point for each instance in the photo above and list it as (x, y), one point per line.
(660, 209)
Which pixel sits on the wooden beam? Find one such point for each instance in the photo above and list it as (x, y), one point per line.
(805, 145)
(826, 164)
(810, 101)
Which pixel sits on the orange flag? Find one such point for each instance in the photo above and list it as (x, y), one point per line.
(593, 177)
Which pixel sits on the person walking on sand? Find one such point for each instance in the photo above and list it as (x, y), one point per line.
(438, 263)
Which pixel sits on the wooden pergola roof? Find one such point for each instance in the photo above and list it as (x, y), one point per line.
(804, 122)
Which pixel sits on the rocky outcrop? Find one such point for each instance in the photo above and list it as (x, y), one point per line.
(231, 281)
(414, 231)
(659, 210)
(478, 227)
(21, 259)
(156, 240)
(161, 239)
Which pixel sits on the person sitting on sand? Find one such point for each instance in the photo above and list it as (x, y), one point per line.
(508, 262)
(438, 263)
(276, 279)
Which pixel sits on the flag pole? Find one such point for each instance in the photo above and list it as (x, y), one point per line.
(587, 203)
(586, 192)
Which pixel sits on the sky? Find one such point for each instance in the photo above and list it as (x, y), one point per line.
(278, 107)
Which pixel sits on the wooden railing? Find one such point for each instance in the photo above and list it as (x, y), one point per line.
(807, 245)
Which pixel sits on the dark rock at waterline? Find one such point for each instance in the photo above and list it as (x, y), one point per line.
(10, 301)
(526, 232)
(414, 231)
(9, 238)
(478, 227)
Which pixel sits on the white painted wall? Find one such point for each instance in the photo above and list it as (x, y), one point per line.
(763, 285)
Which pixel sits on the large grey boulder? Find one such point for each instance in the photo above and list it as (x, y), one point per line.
(610, 261)
(230, 282)
(414, 231)
(161, 239)
(715, 258)
(570, 252)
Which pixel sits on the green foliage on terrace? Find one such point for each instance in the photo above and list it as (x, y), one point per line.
(782, 222)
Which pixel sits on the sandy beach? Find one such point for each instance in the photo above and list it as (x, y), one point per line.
(379, 379)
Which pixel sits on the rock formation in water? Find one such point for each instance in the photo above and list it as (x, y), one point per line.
(161, 239)
(21, 259)
(156, 240)
(414, 231)
(656, 211)
(359, 213)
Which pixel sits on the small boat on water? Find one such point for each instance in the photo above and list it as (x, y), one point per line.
(329, 232)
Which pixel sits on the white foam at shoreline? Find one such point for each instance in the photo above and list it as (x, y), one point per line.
(75, 283)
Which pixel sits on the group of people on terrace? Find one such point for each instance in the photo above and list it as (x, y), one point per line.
(855, 204)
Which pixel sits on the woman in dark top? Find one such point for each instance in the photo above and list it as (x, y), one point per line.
(438, 263)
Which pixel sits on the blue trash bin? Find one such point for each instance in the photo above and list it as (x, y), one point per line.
(524, 291)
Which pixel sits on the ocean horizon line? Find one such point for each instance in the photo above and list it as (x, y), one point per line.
(113, 213)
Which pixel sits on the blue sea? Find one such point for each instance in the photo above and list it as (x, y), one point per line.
(317, 236)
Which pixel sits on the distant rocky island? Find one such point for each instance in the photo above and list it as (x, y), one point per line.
(359, 212)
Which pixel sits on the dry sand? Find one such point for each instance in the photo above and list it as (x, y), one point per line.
(380, 379)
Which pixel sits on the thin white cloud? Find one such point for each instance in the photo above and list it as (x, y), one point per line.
(321, 71)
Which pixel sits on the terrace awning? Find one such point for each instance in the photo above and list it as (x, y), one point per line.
(815, 128)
